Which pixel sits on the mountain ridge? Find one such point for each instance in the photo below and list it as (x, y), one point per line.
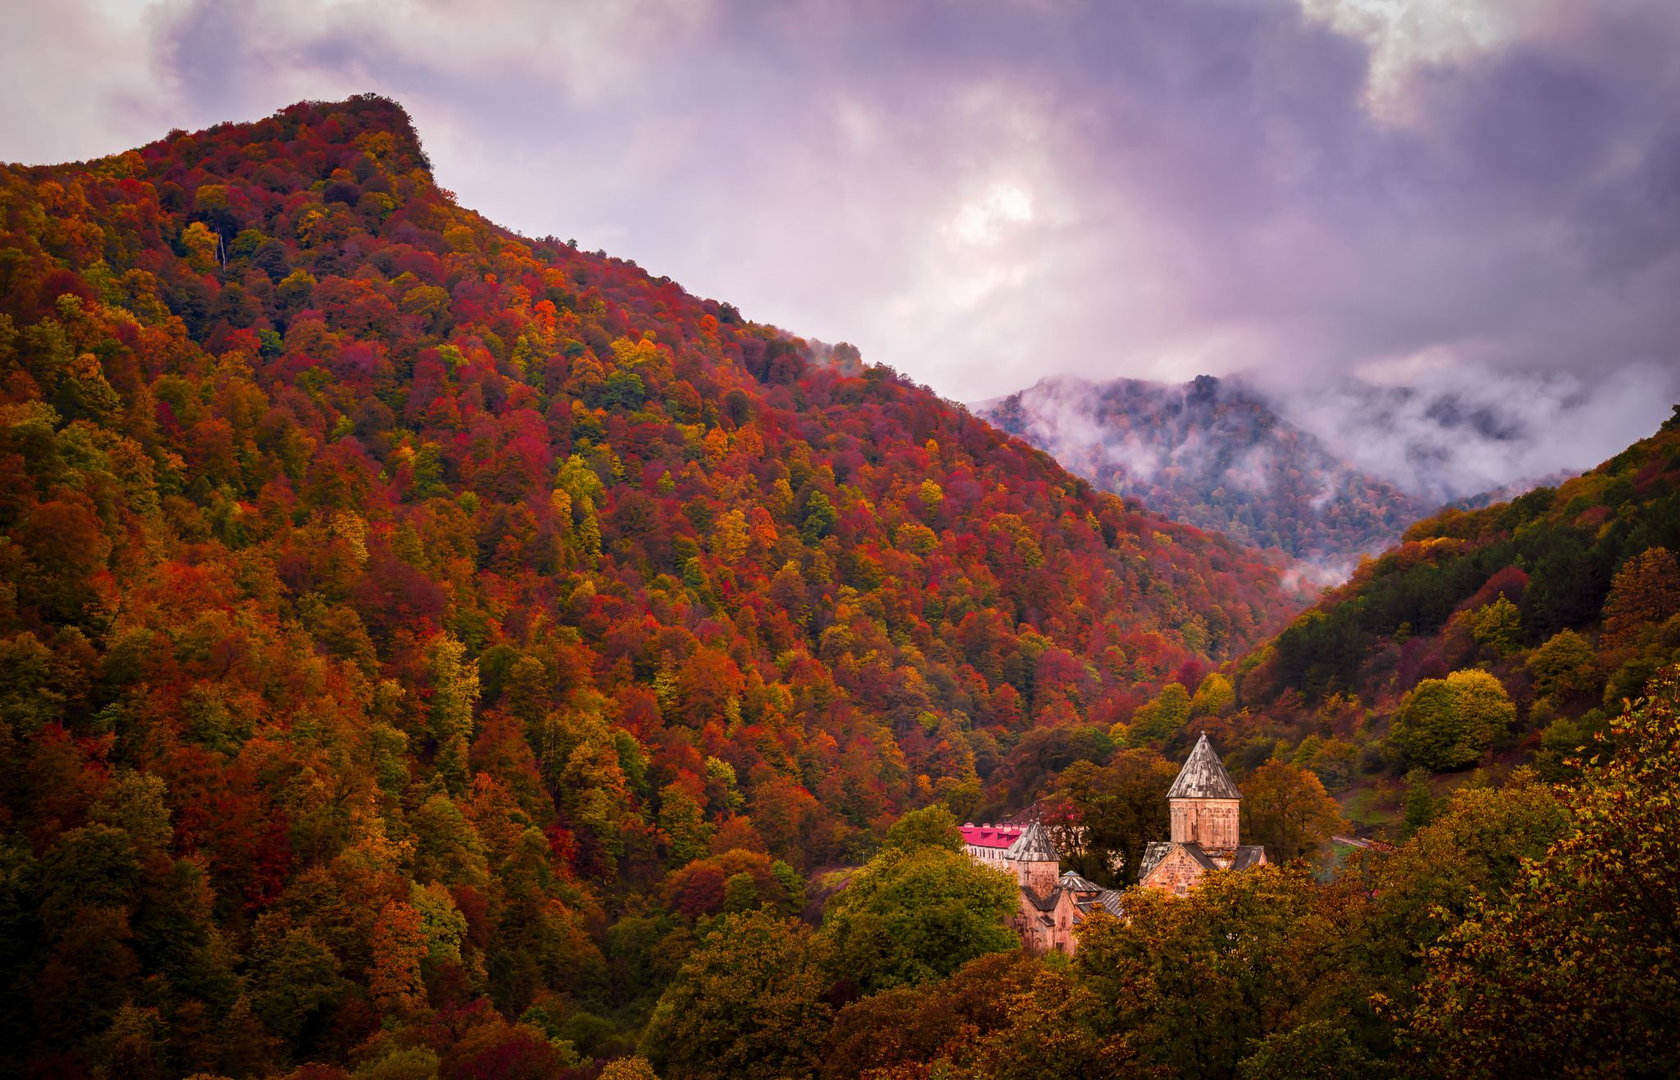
(1217, 454)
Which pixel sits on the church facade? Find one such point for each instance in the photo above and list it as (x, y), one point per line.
(1203, 805)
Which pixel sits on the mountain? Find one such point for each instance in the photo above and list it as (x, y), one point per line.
(1217, 454)
(398, 613)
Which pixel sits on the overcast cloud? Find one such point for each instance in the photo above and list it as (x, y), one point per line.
(1437, 192)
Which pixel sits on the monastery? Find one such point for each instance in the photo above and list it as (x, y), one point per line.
(1052, 903)
(1203, 803)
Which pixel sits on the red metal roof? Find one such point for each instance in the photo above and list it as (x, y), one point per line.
(990, 836)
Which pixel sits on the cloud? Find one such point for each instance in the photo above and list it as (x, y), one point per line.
(981, 193)
(1460, 430)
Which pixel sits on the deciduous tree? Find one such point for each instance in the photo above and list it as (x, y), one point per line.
(1449, 723)
(749, 1002)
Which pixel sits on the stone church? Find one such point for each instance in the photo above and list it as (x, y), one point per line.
(1202, 804)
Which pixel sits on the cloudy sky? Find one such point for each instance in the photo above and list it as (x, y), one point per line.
(1480, 195)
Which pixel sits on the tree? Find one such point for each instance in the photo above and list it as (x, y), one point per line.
(931, 826)
(1449, 723)
(1286, 810)
(909, 917)
(1420, 802)
(1564, 665)
(1160, 720)
(1578, 964)
(748, 1003)
(1001, 1015)
(450, 719)
(1214, 697)
(630, 1068)
(820, 518)
(1320, 1049)
(399, 945)
(447, 847)
(1474, 847)
(734, 881)
(294, 977)
(1191, 984)
(1102, 816)
(1498, 625)
(1645, 591)
(688, 835)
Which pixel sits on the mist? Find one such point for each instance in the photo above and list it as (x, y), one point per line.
(1464, 429)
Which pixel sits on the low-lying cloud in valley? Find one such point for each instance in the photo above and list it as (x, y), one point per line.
(1459, 432)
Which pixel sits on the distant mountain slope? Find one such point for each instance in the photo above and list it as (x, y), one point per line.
(385, 594)
(1569, 597)
(1214, 453)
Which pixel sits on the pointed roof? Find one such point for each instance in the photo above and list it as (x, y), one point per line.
(1033, 846)
(1153, 853)
(1203, 776)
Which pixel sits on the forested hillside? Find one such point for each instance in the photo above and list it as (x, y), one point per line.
(1505, 635)
(1217, 454)
(413, 635)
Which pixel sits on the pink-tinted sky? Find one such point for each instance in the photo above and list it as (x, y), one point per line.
(1478, 196)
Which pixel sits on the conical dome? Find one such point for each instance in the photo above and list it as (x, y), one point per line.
(1203, 776)
(1033, 846)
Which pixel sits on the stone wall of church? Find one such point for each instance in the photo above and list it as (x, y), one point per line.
(1211, 823)
(1040, 877)
(1175, 873)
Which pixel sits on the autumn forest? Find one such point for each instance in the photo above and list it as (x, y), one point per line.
(431, 651)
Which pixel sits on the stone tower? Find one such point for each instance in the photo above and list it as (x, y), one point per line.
(1037, 863)
(1203, 801)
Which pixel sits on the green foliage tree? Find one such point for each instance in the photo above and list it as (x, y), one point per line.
(1321, 1049)
(448, 848)
(1161, 719)
(1498, 626)
(909, 917)
(1419, 802)
(1333, 761)
(931, 826)
(1568, 745)
(1449, 723)
(1578, 965)
(740, 892)
(294, 978)
(820, 518)
(1214, 697)
(450, 715)
(1474, 848)
(688, 835)
(749, 1002)
(1564, 665)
